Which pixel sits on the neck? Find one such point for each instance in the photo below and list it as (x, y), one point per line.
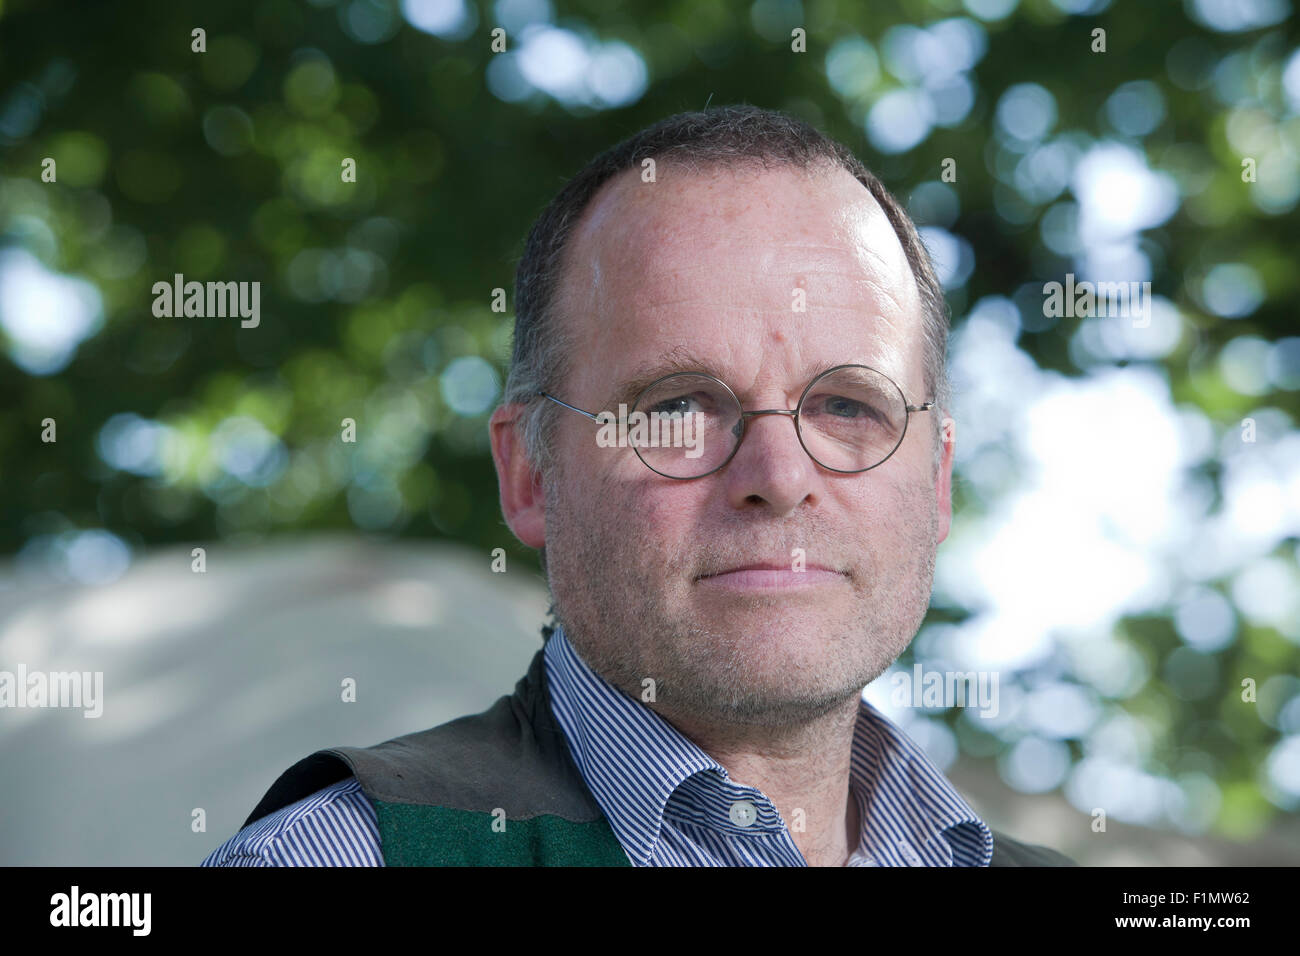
(803, 770)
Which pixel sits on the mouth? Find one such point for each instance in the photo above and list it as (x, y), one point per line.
(768, 576)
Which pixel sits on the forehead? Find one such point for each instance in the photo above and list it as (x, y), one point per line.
(717, 261)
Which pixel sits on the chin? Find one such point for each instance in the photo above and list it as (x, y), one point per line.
(772, 650)
(791, 626)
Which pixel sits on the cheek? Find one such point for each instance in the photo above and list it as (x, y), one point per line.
(875, 498)
(918, 448)
(659, 519)
(883, 517)
(669, 514)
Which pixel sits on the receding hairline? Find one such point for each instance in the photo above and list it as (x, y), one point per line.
(702, 168)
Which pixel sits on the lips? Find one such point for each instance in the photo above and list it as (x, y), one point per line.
(767, 577)
(765, 566)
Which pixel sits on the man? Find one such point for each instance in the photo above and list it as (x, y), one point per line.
(724, 587)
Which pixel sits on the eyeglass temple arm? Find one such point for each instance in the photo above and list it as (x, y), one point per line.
(567, 405)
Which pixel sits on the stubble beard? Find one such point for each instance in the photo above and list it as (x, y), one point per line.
(623, 600)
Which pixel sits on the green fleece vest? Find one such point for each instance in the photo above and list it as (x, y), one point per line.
(494, 789)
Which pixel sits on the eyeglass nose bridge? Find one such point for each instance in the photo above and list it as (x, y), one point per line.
(740, 424)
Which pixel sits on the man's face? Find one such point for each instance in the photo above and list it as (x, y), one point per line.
(708, 265)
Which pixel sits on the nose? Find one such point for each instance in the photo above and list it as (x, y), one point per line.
(770, 469)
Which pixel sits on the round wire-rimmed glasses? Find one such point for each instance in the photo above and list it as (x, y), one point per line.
(687, 425)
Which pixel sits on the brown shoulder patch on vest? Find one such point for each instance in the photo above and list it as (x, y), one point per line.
(512, 756)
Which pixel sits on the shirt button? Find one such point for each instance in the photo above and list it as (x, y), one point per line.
(743, 813)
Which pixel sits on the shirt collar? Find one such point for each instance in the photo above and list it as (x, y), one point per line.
(914, 816)
(910, 814)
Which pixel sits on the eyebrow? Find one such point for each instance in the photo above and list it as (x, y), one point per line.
(675, 360)
(680, 360)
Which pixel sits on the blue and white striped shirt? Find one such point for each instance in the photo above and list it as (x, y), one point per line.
(668, 802)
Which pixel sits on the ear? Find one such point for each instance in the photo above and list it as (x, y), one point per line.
(523, 502)
(943, 482)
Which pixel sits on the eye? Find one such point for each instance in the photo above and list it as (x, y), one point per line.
(840, 406)
(844, 407)
(678, 404)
